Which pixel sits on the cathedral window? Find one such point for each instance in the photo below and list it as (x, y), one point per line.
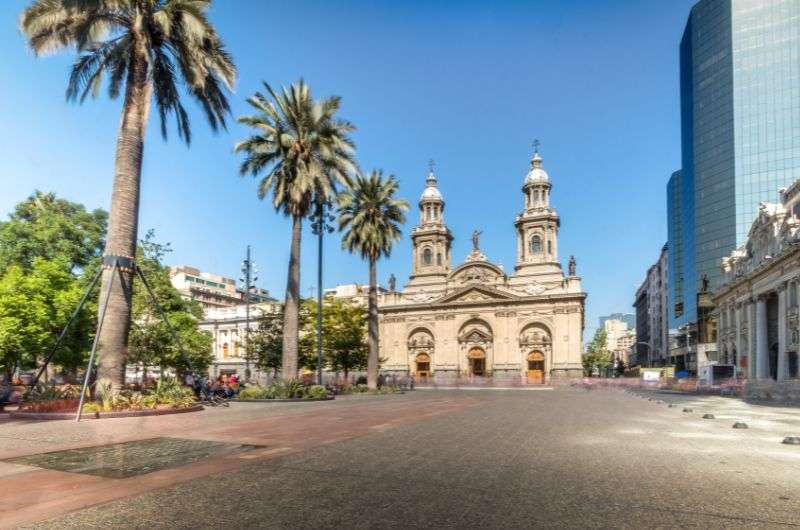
(439, 258)
(427, 256)
(549, 247)
(536, 245)
(536, 196)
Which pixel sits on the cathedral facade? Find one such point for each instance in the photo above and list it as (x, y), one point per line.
(473, 319)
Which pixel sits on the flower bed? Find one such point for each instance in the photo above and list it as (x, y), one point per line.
(59, 402)
(352, 390)
(282, 400)
(288, 390)
(158, 411)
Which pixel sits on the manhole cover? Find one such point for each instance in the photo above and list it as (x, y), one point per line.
(129, 459)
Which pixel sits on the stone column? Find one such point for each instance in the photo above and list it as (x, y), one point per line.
(762, 356)
(751, 339)
(740, 309)
(783, 366)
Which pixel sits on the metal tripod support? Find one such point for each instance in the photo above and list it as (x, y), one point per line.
(100, 320)
(116, 264)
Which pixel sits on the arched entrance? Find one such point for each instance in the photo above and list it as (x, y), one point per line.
(423, 362)
(536, 367)
(477, 361)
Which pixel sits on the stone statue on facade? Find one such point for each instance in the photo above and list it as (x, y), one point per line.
(572, 265)
(476, 239)
(392, 283)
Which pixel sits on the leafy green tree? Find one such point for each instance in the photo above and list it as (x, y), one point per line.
(304, 153)
(146, 47)
(371, 215)
(34, 307)
(344, 332)
(266, 342)
(151, 341)
(45, 226)
(597, 355)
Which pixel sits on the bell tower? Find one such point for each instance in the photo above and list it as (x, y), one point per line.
(537, 225)
(431, 238)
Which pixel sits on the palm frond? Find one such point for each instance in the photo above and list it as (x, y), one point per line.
(370, 215)
(174, 38)
(305, 151)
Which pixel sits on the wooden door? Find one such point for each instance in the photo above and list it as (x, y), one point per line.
(536, 368)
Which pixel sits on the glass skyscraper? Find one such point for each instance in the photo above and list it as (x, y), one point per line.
(740, 134)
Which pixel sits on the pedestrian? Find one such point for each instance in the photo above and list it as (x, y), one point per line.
(381, 381)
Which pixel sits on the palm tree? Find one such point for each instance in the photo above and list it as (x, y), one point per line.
(306, 154)
(371, 214)
(145, 47)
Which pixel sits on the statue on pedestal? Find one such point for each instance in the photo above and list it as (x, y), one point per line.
(476, 239)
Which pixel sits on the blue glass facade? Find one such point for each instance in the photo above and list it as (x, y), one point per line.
(680, 260)
(740, 133)
(766, 103)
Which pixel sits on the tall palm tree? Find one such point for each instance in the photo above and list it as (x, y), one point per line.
(370, 214)
(145, 47)
(306, 155)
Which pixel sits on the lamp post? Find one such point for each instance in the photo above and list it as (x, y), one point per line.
(319, 225)
(248, 276)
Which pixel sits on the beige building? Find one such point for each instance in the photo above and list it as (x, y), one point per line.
(473, 319)
(228, 328)
(212, 290)
(757, 303)
(619, 338)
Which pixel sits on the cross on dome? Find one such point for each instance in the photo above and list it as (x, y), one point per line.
(431, 191)
(536, 173)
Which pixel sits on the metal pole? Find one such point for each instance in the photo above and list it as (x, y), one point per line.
(166, 321)
(247, 316)
(321, 227)
(96, 340)
(66, 327)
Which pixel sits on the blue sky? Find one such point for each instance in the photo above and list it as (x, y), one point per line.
(469, 84)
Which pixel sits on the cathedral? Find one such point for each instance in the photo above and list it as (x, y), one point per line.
(473, 319)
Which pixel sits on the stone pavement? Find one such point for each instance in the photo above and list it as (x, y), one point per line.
(769, 421)
(447, 458)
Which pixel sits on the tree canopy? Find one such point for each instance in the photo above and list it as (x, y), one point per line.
(152, 343)
(45, 226)
(597, 355)
(34, 307)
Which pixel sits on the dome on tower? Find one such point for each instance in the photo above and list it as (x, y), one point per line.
(431, 191)
(536, 173)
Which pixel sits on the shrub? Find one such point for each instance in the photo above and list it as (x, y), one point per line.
(255, 392)
(42, 392)
(289, 388)
(92, 407)
(316, 392)
(283, 389)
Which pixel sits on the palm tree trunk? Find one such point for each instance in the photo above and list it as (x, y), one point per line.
(123, 221)
(291, 310)
(372, 339)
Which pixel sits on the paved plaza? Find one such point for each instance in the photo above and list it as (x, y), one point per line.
(562, 457)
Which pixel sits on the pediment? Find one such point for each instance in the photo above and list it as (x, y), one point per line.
(476, 293)
(476, 272)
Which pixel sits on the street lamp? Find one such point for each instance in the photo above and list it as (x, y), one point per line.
(319, 225)
(249, 275)
(649, 350)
